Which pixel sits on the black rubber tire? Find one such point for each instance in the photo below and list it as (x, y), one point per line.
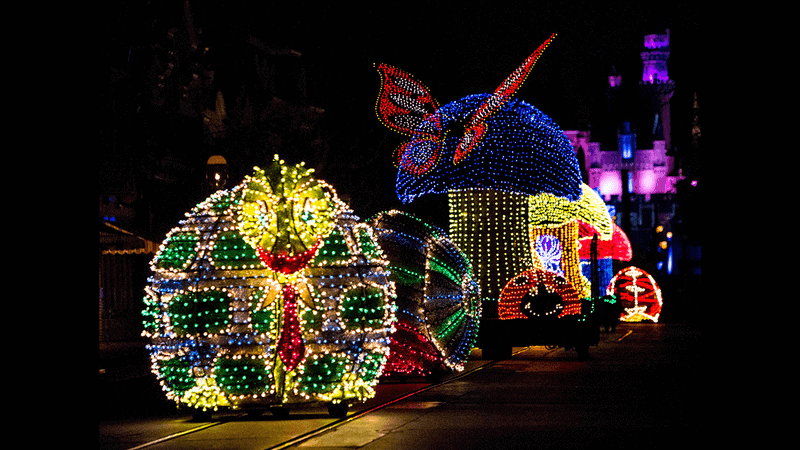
(255, 412)
(279, 412)
(198, 415)
(337, 410)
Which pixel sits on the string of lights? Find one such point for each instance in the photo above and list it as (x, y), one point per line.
(482, 141)
(531, 282)
(271, 292)
(515, 196)
(489, 153)
(638, 293)
(438, 302)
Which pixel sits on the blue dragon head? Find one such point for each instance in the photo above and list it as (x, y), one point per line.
(482, 141)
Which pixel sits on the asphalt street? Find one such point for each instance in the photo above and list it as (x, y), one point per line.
(641, 388)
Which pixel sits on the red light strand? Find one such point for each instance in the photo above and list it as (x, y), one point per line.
(290, 345)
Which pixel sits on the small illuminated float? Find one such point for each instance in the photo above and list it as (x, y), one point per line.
(438, 302)
(543, 308)
(638, 293)
(267, 295)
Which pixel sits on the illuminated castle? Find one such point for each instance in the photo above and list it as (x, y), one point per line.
(628, 175)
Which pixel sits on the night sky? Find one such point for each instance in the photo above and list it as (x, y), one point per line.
(459, 49)
(469, 48)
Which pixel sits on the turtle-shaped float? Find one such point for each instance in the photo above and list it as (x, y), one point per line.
(267, 295)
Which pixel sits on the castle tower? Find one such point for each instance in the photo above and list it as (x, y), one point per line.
(656, 84)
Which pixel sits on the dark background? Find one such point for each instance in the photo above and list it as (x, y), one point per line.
(455, 49)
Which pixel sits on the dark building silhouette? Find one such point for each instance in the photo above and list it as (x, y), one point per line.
(628, 155)
(186, 112)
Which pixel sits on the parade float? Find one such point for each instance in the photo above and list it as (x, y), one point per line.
(638, 293)
(438, 301)
(268, 295)
(517, 206)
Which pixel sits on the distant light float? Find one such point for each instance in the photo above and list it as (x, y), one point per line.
(638, 293)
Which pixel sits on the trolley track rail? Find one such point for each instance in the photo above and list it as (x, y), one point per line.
(339, 422)
(360, 414)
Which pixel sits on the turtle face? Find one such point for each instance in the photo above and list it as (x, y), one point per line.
(284, 213)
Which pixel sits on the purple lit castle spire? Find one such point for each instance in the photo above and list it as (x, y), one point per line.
(656, 83)
(655, 57)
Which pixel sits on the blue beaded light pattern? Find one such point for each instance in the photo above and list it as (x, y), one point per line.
(522, 151)
(490, 144)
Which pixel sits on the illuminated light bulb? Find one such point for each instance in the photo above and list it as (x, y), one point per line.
(433, 330)
(211, 296)
(638, 294)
